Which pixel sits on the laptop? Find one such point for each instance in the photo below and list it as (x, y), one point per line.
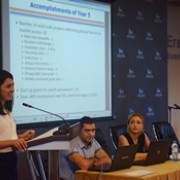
(158, 152)
(123, 158)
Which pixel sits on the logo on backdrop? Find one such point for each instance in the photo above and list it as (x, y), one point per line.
(140, 16)
(157, 55)
(141, 93)
(130, 34)
(120, 53)
(120, 12)
(149, 36)
(131, 73)
(121, 93)
(149, 74)
(140, 54)
(158, 92)
(157, 19)
(131, 110)
(150, 111)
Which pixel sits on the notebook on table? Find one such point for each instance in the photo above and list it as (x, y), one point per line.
(123, 158)
(157, 153)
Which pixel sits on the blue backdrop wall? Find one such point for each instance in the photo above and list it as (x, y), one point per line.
(139, 35)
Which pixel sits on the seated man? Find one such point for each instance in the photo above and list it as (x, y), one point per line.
(85, 152)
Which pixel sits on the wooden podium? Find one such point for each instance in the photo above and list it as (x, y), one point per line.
(54, 143)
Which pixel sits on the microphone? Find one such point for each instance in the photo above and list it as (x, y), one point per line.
(171, 107)
(177, 106)
(63, 129)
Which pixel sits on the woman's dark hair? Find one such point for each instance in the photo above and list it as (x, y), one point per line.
(9, 104)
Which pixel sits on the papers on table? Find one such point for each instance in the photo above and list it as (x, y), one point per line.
(139, 173)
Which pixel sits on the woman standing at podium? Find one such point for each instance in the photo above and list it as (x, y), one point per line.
(9, 140)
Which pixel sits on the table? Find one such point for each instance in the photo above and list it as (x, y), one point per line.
(168, 170)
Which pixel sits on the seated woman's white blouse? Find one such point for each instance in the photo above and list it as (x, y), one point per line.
(7, 130)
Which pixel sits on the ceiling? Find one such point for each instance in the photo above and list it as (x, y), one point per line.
(174, 2)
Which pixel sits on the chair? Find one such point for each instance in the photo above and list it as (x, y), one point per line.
(100, 138)
(115, 132)
(164, 130)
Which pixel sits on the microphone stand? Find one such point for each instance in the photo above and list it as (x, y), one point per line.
(170, 109)
(63, 129)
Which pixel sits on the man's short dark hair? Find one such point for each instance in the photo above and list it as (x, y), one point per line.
(86, 120)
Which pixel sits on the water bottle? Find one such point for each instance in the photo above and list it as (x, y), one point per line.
(174, 151)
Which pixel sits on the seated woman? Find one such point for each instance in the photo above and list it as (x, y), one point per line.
(135, 135)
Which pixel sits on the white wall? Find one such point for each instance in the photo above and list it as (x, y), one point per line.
(174, 66)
